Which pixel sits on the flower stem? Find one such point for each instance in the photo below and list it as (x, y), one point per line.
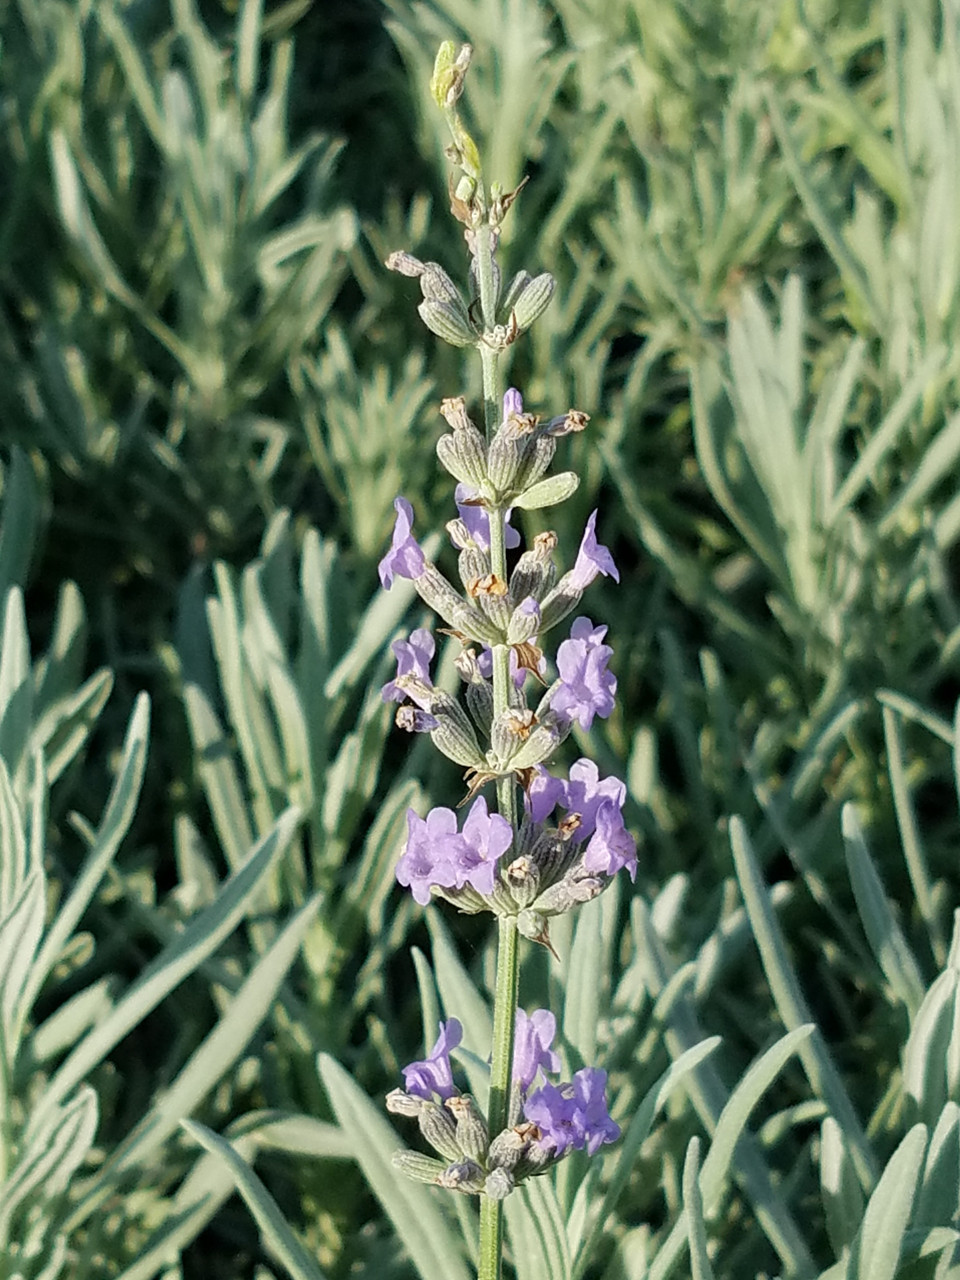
(489, 357)
(504, 1016)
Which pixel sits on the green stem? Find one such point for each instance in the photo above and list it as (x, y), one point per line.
(489, 358)
(504, 1015)
(506, 994)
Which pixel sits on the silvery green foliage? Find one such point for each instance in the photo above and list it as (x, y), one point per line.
(62, 1015)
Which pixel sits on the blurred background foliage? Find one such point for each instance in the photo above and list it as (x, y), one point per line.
(211, 393)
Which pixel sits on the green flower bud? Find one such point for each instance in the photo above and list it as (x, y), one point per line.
(448, 322)
(548, 492)
(439, 1128)
(473, 1136)
(418, 1167)
(533, 299)
(464, 1176)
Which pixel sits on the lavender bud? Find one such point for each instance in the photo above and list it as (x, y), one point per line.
(522, 878)
(499, 1184)
(405, 263)
(510, 730)
(437, 286)
(533, 299)
(524, 623)
(418, 1167)
(472, 564)
(400, 1103)
(568, 893)
(536, 572)
(479, 691)
(537, 457)
(491, 594)
(548, 492)
(439, 1128)
(454, 736)
(514, 289)
(448, 322)
(506, 1150)
(473, 1137)
(463, 452)
(463, 1176)
(434, 589)
(532, 742)
(556, 604)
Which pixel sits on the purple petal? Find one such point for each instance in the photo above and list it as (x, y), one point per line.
(592, 558)
(434, 1076)
(405, 558)
(533, 1037)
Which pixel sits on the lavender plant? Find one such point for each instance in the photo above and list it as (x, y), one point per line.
(522, 863)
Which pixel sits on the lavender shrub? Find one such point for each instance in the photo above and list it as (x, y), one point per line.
(553, 843)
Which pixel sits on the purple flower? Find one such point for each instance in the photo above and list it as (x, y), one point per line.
(437, 854)
(592, 558)
(551, 1109)
(591, 1117)
(477, 520)
(486, 838)
(404, 559)
(611, 845)
(544, 794)
(512, 403)
(587, 688)
(585, 792)
(574, 1114)
(430, 856)
(413, 659)
(434, 1076)
(533, 1037)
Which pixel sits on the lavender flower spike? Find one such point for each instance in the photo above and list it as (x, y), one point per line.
(413, 659)
(434, 1076)
(405, 558)
(592, 558)
(587, 688)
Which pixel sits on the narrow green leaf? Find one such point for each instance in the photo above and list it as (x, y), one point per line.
(700, 1268)
(633, 1139)
(19, 521)
(209, 1062)
(16, 692)
(883, 933)
(584, 983)
(198, 940)
(840, 1192)
(117, 816)
(877, 1252)
(733, 1119)
(433, 1248)
(791, 1005)
(277, 1233)
(537, 1234)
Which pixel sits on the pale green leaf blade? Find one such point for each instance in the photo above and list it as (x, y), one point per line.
(277, 1233)
(434, 1249)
